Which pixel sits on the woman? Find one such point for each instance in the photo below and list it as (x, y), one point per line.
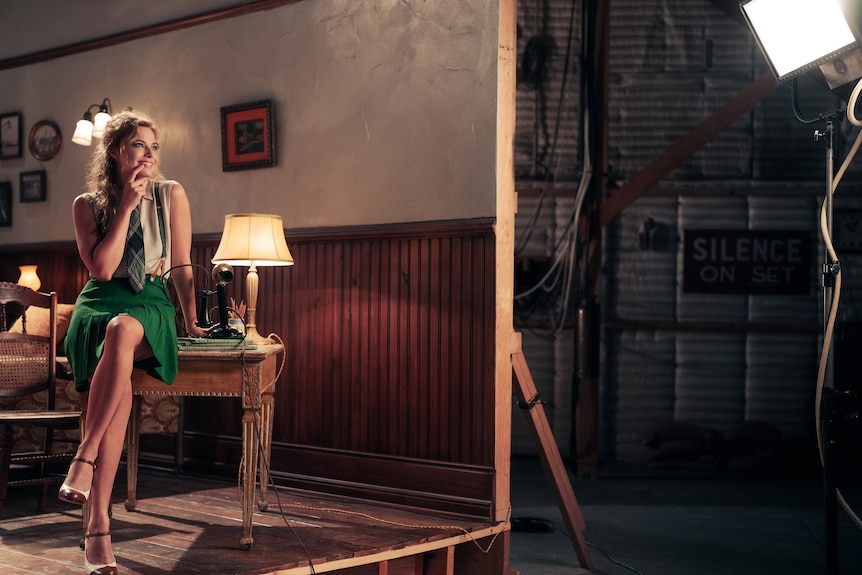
(121, 322)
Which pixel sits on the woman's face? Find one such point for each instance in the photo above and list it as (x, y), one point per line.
(142, 150)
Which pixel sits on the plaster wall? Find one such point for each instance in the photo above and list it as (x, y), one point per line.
(385, 109)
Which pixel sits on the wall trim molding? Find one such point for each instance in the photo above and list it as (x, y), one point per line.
(139, 33)
(440, 228)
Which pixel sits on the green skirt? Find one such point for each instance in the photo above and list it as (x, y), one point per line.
(98, 303)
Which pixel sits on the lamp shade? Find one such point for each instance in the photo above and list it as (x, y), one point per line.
(798, 35)
(253, 240)
(29, 278)
(83, 133)
(100, 120)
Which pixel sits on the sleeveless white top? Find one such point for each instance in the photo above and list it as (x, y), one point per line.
(150, 229)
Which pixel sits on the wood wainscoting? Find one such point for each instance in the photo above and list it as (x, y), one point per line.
(387, 391)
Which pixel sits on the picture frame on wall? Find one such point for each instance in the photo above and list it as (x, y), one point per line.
(33, 186)
(248, 136)
(5, 204)
(45, 140)
(10, 136)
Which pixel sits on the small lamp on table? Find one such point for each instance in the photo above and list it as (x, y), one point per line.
(253, 240)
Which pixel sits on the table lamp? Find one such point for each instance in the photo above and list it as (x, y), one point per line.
(29, 278)
(253, 240)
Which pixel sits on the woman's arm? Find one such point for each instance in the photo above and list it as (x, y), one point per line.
(181, 247)
(103, 257)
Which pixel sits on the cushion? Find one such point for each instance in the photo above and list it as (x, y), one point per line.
(658, 433)
(38, 319)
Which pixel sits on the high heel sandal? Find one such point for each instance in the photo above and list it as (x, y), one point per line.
(109, 569)
(70, 495)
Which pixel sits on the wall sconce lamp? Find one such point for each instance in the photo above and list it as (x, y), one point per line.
(29, 278)
(253, 240)
(92, 126)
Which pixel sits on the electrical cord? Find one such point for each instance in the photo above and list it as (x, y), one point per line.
(554, 153)
(829, 329)
(264, 462)
(561, 274)
(542, 525)
(565, 251)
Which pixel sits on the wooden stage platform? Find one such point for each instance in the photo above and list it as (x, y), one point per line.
(190, 525)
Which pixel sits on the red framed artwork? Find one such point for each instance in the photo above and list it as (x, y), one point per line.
(248, 136)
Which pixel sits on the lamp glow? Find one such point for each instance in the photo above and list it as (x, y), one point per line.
(798, 35)
(100, 120)
(253, 240)
(90, 126)
(83, 133)
(29, 278)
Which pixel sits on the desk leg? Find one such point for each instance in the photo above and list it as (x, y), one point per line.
(249, 456)
(133, 434)
(265, 447)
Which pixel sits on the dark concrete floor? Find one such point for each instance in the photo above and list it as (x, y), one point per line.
(677, 524)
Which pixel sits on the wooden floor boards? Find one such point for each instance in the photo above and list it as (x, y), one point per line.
(186, 525)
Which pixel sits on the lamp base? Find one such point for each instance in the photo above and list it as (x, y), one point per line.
(253, 337)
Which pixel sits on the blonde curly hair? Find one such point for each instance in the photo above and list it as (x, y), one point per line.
(102, 171)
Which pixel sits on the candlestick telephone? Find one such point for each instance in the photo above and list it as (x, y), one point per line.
(221, 275)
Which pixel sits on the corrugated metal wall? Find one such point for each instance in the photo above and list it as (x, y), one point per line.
(713, 378)
(672, 64)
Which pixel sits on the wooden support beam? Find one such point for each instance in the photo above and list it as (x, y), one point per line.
(641, 183)
(537, 420)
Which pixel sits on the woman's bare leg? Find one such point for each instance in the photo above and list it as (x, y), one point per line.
(99, 551)
(109, 405)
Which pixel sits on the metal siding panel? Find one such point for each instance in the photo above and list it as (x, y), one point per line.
(673, 63)
(642, 287)
(564, 381)
(851, 264)
(784, 148)
(780, 382)
(534, 227)
(539, 147)
(642, 368)
(787, 214)
(710, 378)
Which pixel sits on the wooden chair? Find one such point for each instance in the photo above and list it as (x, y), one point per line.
(28, 366)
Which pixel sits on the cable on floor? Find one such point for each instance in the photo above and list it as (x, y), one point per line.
(542, 525)
(281, 506)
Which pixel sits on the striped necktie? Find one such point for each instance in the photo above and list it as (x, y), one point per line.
(135, 259)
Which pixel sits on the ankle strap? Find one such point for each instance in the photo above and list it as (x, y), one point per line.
(82, 460)
(88, 535)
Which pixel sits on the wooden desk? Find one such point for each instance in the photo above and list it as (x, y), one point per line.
(250, 375)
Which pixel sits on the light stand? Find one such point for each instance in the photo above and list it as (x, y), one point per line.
(828, 410)
(797, 36)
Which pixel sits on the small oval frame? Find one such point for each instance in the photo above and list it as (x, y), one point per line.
(45, 140)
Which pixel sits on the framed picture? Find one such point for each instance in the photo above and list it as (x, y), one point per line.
(10, 136)
(248, 136)
(5, 204)
(33, 186)
(45, 140)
